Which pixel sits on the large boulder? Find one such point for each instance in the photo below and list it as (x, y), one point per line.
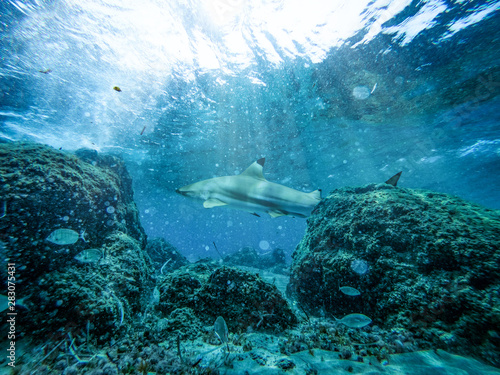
(274, 261)
(43, 189)
(165, 256)
(246, 256)
(423, 261)
(95, 285)
(243, 299)
(103, 297)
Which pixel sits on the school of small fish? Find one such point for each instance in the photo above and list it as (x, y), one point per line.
(355, 320)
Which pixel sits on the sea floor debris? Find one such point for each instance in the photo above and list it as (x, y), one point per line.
(252, 353)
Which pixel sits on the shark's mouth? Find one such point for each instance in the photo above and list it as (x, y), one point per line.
(181, 192)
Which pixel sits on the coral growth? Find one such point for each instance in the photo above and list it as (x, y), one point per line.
(432, 264)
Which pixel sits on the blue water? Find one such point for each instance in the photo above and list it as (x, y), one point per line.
(333, 94)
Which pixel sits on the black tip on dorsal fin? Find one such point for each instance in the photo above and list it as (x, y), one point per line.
(394, 179)
(261, 161)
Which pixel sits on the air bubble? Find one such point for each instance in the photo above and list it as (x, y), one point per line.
(361, 92)
(264, 245)
(359, 266)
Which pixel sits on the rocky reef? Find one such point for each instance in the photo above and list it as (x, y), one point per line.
(93, 277)
(274, 261)
(243, 299)
(422, 261)
(96, 291)
(103, 300)
(165, 257)
(44, 189)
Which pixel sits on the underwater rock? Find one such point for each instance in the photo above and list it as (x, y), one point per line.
(244, 300)
(96, 299)
(432, 265)
(58, 209)
(182, 322)
(43, 190)
(249, 257)
(165, 257)
(246, 256)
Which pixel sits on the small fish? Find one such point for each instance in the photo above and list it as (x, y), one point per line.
(4, 209)
(144, 128)
(45, 71)
(220, 328)
(65, 236)
(4, 304)
(349, 291)
(373, 89)
(156, 296)
(354, 320)
(89, 256)
(116, 88)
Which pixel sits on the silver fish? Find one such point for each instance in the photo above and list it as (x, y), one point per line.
(349, 291)
(65, 236)
(221, 330)
(355, 320)
(89, 256)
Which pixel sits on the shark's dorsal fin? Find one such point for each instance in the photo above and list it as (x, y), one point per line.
(255, 170)
(394, 179)
(213, 202)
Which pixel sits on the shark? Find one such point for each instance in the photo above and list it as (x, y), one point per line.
(250, 191)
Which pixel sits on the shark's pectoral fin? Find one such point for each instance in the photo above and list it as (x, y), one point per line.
(213, 202)
(276, 213)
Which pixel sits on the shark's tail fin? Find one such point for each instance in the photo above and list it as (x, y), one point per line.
(316, 194)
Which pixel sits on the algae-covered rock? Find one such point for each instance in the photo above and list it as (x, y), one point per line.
(102, 297)
(165, 257)
(43, 189)
(423, 261)
(243, 299)
(274, 261)
(246, 256)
